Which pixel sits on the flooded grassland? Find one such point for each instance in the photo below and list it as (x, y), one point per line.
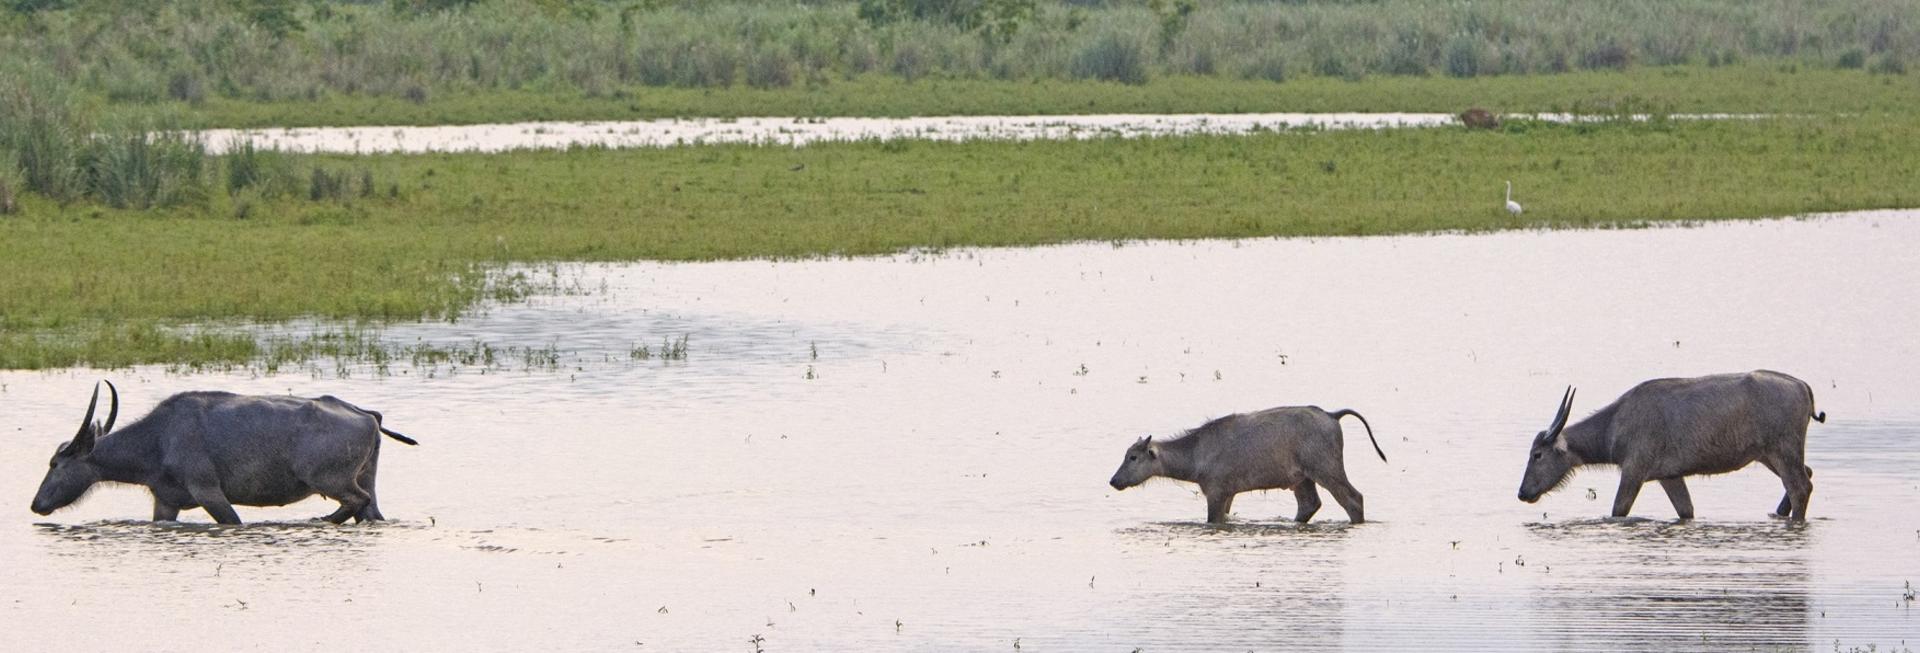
(394, 238)
(910, 452)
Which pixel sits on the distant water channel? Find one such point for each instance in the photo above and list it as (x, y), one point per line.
(801, 131)
(910, 453)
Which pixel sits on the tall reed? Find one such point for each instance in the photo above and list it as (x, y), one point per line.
(190, 51)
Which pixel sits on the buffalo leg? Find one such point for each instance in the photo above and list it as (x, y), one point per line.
(165, 512)
(370, 512)
(1308, 499)
(352, 500)
(1799, 489)
(1677, 492)
(1786, 500)
(340, 483)
(339, 515)
(1348, 498)
(1218, 505)
(215, 502)
(1623, 499)
(203, 484)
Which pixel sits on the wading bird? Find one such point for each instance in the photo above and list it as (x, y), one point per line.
(1513, 208)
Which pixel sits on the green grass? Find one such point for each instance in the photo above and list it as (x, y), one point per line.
(1736, 89)
(83, 284)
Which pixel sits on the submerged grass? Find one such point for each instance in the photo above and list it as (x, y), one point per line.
(671, 349)
(339, 352)
(88, 284)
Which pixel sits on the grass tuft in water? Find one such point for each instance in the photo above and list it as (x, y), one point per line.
(671, 349)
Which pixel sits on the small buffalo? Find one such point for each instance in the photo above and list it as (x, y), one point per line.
(215, 450)
(1292, 447)
(1667, 429)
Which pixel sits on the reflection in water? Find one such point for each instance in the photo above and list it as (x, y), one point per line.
(1653, 585)
(1776, 535)
(1275, 585)
(1270, 532)
(265, 544)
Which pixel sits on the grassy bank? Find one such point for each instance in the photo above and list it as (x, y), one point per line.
(82, 283)
(1753, 88)
(256, 62)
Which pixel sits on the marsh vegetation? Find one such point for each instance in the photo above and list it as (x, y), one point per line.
(124, 241)
(82, 278)
(264, 62)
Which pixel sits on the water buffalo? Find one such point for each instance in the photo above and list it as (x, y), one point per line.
(1293, 447)
(1667, 429)
(215, 450)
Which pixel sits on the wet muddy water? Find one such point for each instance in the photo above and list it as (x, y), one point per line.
(911, 453)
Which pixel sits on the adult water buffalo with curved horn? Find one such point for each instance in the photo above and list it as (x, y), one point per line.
(215, 450)
(1667, 429)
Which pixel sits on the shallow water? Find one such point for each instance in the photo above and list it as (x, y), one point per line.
(910, 453)
(802, 131)
(787, 131)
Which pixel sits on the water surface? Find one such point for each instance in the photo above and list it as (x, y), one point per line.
(805, 131)
(910, 453)
(789, 131)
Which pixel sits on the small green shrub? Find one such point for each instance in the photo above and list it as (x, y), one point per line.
(186, 87)
(268, 173)
(771, 67)
(1889, 64)
(1271, 66)
(44, 133)
(1609, 55)
(1853, 59)
(1329, 61)
(1463, 56)
(142, 167)
(1113, 57)
(326, 185)
(8, 205)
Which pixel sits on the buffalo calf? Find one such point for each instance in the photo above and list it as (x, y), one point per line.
(1294, 447)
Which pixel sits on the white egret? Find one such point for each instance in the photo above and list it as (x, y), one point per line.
(1512, 206)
